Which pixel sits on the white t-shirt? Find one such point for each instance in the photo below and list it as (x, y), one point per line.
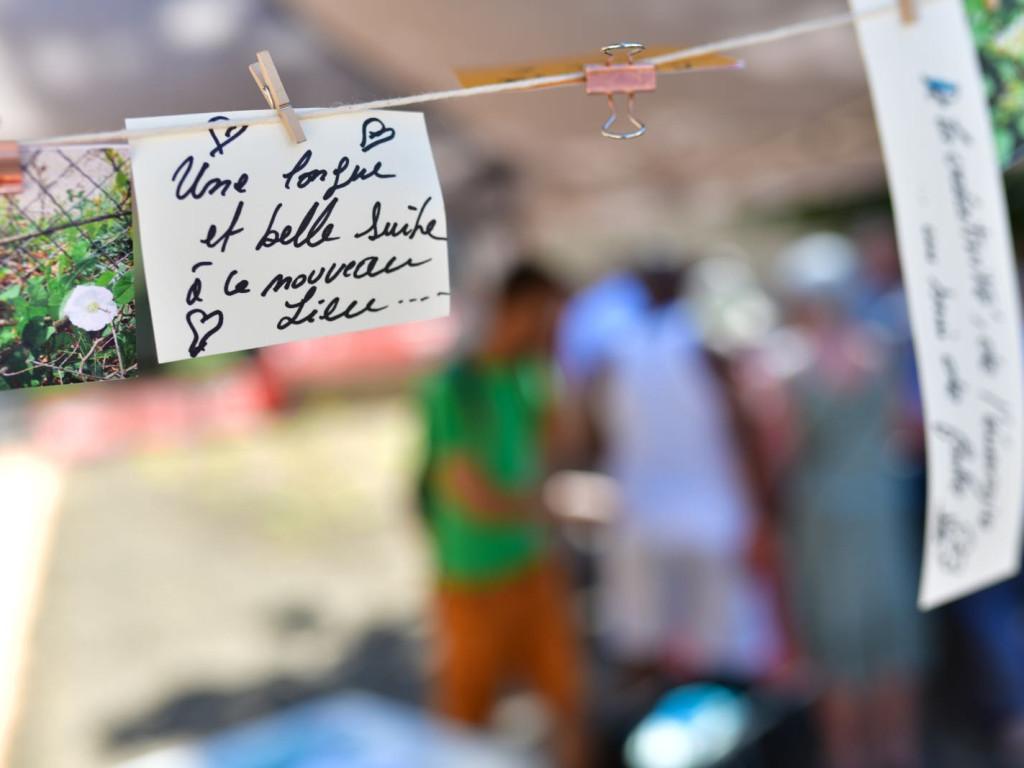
(670, 440)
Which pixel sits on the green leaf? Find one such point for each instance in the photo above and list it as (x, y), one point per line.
(34, 334)
(124, 289)
(37, 293)
(56, 305)
(85, 264)
(79, 250)
(10, 292)
(105, 278)
(16, 357)
(20, 307)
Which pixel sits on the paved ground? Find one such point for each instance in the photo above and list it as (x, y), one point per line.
(31, 489)
(198, 587)
(193, 588)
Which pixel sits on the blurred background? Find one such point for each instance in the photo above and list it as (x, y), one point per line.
(225, 564)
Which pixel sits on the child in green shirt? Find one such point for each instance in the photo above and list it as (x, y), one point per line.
(503, 606)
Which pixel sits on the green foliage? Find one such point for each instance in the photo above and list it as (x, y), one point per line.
(999, 36)
(124, 289)
(85, 239)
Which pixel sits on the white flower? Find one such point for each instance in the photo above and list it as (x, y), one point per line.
(90, 307)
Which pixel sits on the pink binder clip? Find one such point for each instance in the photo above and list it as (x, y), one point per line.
(628, 78)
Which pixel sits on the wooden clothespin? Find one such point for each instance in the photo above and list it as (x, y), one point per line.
(10, 168)
(625, 78)
(269, 82)
(908, 11)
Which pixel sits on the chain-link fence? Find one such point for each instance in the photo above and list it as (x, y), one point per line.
(67, 311)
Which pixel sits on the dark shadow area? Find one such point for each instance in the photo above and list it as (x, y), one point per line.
(385, 661)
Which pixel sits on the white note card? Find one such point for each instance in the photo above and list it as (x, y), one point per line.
(250, 239)
(957, 258)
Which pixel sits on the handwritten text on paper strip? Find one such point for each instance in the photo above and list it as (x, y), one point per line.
(957, 258)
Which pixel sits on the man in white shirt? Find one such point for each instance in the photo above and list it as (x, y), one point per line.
(677, 588)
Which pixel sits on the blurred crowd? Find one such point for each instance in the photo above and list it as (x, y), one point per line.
(738, 460)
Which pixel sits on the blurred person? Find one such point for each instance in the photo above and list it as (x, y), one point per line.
(732, 310)
(678, 594)
(590, 322)
(588, 327)
(880, 298)
(849, 551)
(993, 622)
(736, 317)
(503, 607)
(882, 305)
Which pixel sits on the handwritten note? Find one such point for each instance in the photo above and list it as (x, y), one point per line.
(962, 287)
(250, 239)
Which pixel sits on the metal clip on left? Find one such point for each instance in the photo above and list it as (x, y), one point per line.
(628, 78)
(265, 74)
(10, 168)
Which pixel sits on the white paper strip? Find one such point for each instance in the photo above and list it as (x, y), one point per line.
(250, 239)
(957, 258)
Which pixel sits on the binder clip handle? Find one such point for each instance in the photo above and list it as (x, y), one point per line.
(606, 128)
(630, 49)
(610, 78)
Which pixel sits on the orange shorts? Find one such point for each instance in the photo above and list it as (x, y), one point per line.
(520, 630)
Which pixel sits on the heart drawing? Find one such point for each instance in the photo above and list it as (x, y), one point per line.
(375, 133)
(230, 135)
(203, 325)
